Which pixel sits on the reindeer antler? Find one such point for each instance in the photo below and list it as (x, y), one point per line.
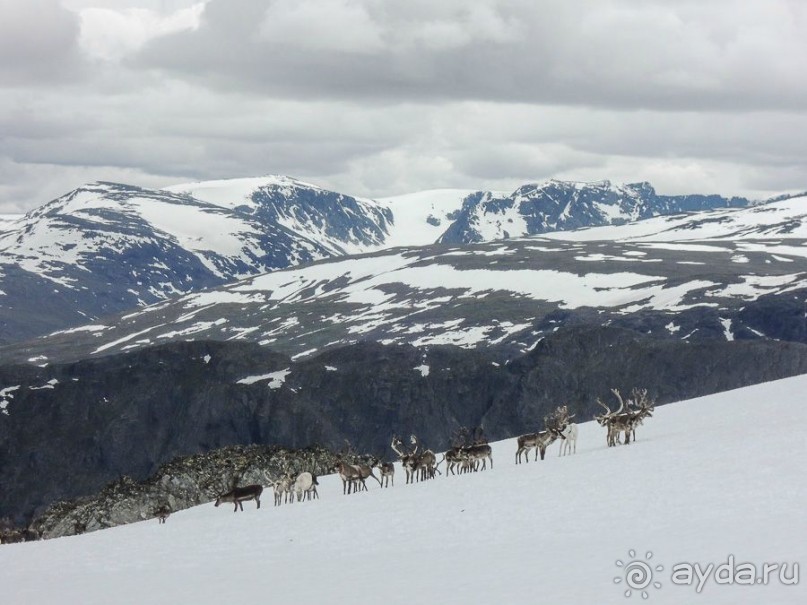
(621, 401)
(608, 411)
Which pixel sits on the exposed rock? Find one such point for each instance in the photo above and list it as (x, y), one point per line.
(182, 483)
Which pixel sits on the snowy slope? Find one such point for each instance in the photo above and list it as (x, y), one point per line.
(550, 532)
(507, 292)
(779, 220)
(419, 219)
(341, 224)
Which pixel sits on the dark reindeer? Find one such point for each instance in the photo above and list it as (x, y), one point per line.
(162, 513)
(239, 495)
(542, 439)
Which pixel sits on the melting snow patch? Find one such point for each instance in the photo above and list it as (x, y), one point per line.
(330, 368)
(672, 328)
(207, 358)
(727, 329)
(423, 369)
(48, 385)
(91, 328)
(5, 396)
(276, 379)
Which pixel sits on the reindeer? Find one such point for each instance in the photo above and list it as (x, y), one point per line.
(453, 459)
(239, 495)
(350, 476)
(282, 487)
(541, 440)
(387, 470)
(624, 420)
(569, 440)
(424, 464)
(365, 471)
(476, 453)
(305, 486)
(644, 408)
(538, 441)
(563, 420)
(162, 513)
(406, 458)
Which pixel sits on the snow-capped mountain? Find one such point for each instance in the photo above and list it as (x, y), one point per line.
(561, 206)
(506, 294)
(109, 248)
(106, 248)
(782, 220)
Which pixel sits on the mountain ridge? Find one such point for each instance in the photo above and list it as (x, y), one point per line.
(105, 248)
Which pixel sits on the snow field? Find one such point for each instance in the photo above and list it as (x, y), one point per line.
(708, 478)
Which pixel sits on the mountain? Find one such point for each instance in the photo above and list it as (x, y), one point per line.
(560, 206)
(109, 248)
(106, 248)
(719, 274)
(702, 485)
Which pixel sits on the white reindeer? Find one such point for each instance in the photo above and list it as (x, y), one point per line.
(569, 443)
(306, 486)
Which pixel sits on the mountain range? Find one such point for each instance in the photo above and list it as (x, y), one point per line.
(108, 248)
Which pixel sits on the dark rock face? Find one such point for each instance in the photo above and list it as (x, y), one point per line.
(560, 206)
(69, 430)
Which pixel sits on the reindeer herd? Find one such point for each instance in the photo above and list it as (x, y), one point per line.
(467, 454)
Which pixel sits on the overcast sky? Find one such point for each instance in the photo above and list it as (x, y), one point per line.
(378, 97)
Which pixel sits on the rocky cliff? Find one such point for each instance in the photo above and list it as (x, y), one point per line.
(129, 414)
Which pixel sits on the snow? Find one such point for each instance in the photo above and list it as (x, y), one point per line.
(553, 530)
(6, 395)
(87, 328)
(230, 193)
(198, 230)
(276, 379)
(785, 219)
(50, 384)
(423, 369)
(411, 211)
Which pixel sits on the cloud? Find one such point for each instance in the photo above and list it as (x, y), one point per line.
(111, 34)
(374, 97)
(620, 54)
(38, 43)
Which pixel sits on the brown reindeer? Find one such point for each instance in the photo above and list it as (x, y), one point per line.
(625, 420)
(387, 470)
(239, 495)
(350, 476)
(542, 439)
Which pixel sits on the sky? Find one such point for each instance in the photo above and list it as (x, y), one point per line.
(384, 97)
